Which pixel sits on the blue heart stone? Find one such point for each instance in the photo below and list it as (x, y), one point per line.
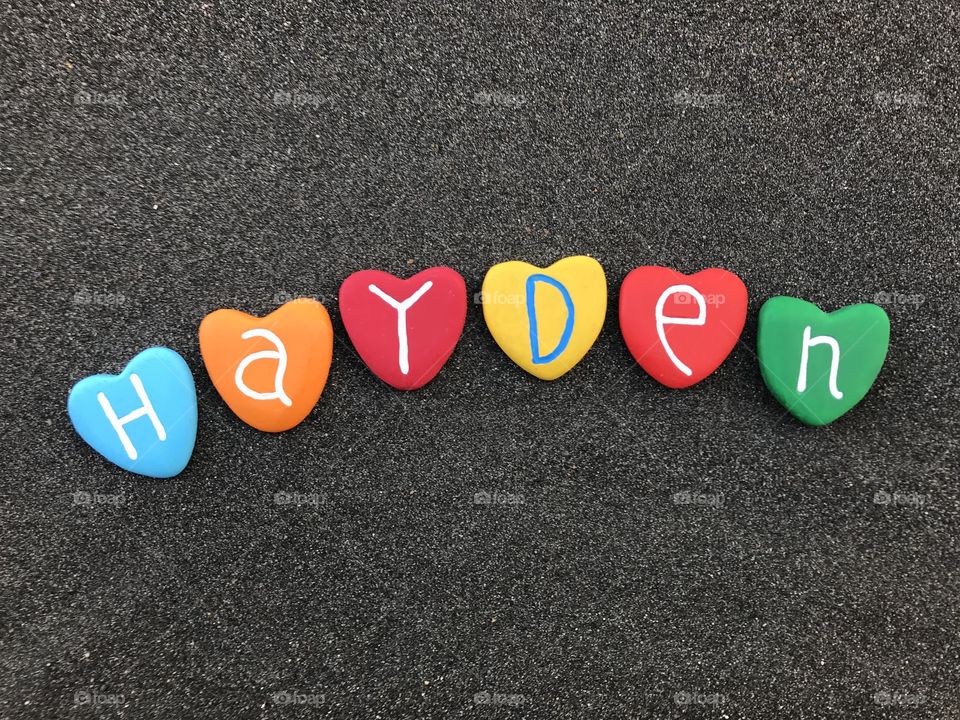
(145, 418)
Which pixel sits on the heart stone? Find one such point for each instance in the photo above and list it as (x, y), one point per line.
(820, 365)
(545, 319)
(145, 419)
(404, 329)
(269, 370)
(680, 328)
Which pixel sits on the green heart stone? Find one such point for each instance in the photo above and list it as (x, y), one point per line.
(819, 365)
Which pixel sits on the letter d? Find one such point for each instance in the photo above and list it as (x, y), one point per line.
(531, 288)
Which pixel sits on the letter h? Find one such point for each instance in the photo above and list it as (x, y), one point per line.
(145, 409)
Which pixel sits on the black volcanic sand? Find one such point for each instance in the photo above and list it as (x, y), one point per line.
(158, 164)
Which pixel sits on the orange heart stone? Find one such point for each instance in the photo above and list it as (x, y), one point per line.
(269, 370)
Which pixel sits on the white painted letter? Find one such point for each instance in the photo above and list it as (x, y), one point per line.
(145, 409)
(280, 355)
(808, 343)
(401, 308)
(700, 319)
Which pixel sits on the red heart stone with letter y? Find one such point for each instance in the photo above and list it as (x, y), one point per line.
(404, 330)
(680, 328)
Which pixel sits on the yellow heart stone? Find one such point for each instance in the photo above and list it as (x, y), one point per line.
(546, 319)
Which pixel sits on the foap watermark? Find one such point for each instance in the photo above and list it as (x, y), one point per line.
(712, 299)
(496, 497)
(299, 99)
(83, 296)
(485, 297)
(85, 498)
(896, 299)
(696, 697)
(295, 499)
(109, 99)
(93, 697)
(898, 99)
(698, 99)
(899, 499)
(701, 499)
(283, 297)
(296, 697)
(499, 99)
(487, 698)
(898, 698)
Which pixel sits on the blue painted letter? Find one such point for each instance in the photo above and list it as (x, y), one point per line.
(532, 317)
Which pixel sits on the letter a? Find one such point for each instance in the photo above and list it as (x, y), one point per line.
(280, 355)
(808, 343)
(145, 409)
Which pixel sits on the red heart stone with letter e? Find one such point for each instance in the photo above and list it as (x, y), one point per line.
(678, 327)
(404, 330)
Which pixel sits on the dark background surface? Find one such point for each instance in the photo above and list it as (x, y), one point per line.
(813, 151)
